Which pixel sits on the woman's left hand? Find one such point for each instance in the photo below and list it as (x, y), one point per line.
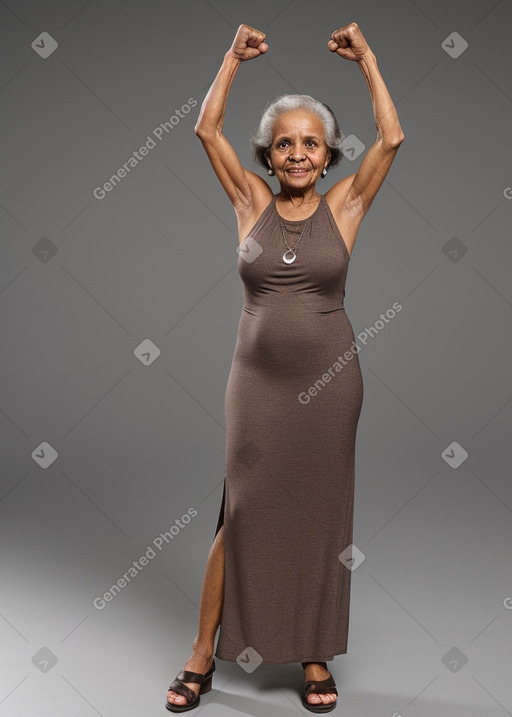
(348, 42)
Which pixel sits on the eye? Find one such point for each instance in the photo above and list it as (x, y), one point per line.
(283, 141)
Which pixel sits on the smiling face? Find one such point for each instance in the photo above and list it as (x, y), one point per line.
(298, 152)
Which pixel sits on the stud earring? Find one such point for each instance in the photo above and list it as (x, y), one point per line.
(324, 171)
(271, 171)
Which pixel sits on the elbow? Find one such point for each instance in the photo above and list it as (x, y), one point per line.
(203, 132)
(394, 142)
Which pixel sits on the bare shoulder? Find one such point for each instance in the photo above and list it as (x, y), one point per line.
(346, 214)
(248, 214)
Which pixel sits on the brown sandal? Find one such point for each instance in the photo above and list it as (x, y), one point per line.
(320, 687)
(192, 699)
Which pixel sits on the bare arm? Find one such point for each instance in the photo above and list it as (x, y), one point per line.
(377, 161)
(389, 131)
(237, 181)
(380, 156)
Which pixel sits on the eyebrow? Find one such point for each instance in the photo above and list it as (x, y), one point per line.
(310, 136)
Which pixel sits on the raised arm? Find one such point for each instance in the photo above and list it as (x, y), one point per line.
(349, 43)
(238, 182)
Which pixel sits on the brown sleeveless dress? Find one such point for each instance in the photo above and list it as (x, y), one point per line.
(292, 405)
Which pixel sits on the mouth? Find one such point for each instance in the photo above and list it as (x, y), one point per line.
(298, 172)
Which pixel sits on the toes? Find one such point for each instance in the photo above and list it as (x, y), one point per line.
(325, 699)
(329, 697)
(174, 697)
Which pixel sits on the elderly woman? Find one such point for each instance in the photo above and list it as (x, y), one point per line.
(278, 574)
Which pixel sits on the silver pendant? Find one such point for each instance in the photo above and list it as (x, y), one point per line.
(289, 261)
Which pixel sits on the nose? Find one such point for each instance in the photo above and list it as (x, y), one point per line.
(297, 155)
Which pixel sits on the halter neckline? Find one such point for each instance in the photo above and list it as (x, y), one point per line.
(298, 221)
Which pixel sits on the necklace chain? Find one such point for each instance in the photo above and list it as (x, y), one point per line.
(289, 249)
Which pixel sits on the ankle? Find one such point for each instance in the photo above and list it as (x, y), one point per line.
(316, 671)
(203, 649)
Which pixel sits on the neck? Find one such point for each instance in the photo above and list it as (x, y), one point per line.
(298, 197)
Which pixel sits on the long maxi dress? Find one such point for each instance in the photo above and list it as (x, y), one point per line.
(292, 405)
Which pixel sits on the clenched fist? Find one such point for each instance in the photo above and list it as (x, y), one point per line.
(248, 43)
(349, 42)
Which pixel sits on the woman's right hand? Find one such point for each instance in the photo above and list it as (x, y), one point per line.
(248, 43)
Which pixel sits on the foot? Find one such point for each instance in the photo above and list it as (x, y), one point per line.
(317, 672)
(195, 663)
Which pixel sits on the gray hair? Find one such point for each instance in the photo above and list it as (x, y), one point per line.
(261, 138)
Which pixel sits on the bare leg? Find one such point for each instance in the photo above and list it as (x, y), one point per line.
(210, 611)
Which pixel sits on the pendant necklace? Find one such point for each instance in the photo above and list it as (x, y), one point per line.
(289, 256)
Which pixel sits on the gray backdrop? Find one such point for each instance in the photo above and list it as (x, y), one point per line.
(119, 314)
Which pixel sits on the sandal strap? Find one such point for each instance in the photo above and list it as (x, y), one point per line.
(188, 676)
(178, 686)
(320, 686)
